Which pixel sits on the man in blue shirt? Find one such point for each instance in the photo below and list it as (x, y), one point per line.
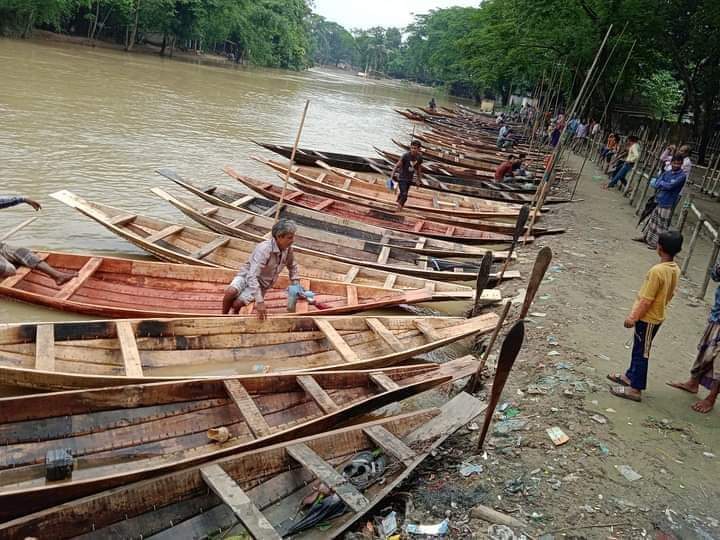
(12, 257)
(668, 187)
(705, 370)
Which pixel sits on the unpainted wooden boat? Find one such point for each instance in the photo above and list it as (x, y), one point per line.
(308, 156)
(323, 222)
(372, 190)
(436, 112)
(115, 287)
(183, 244)
(257, 493)
(388, 220)
(444, 169)
(93, 354)
(126, 433)
(435, 153)
(411, 115)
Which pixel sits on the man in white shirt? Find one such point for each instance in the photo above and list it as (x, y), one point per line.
(633, 155)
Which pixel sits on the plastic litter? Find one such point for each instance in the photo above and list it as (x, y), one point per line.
(388, 524)
(468, 469)
(557, 435)
(439, 529)
(599, 419)
(500, 532)
(629, 474)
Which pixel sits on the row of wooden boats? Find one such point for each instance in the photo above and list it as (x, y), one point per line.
(164, 420)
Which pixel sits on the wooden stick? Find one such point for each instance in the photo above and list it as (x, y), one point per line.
(508, 353)
(17, 228)
(519, 228)
(483, 278)
(542, 261)
(292, 161)
(475, 381)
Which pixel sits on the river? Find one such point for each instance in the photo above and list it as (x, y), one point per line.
(99, 122)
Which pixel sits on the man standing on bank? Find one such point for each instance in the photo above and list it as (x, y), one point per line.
(409, 164)
(11, 257)
(260, 273)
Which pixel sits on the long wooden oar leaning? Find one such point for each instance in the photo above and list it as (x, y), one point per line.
(123, 434)
(260, 492)
(92, 354)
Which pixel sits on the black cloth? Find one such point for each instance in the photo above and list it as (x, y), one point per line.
(407, 166)
(403, 189)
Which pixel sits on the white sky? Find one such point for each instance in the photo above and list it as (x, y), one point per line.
(367, 13)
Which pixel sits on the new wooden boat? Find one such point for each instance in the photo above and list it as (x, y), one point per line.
(181, 244)
(372, 190)
(228, 198)
(115, 287)
(330, 246)
(126, 433)
(388, 220)
(445, 169)
(441, 154)
(257, 493)
(93, 354)
(411, 115)
(307, 156)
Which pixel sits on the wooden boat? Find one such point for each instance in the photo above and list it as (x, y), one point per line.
(256, 493)
(435, 112)
(228, 198)
(115, 287)
(444, 154)
(433, 272)
(445, 169)
(126, 433)
(93, 354)
(179, 243)
(372, 190)
(411, 115)
(307, 156)
(388, 220)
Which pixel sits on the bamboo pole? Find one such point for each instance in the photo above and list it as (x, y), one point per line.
(292, 161)
(17, 228)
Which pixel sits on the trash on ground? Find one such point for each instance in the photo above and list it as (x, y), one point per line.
(708, 454)
(552, 340)
(473, 426)
(538, 314)
(557, 435)
(599, 419)
(388, 524)
(511, 412)
(500, 532)
(629, 474)
(439, 529)
(554, 353)
(468, 469)
(505, 427)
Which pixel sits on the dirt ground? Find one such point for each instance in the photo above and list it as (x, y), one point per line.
(575, 337)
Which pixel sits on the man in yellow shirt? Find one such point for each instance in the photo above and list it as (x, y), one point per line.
(647, 314)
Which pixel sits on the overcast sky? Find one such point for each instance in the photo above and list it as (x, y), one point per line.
(367, 13)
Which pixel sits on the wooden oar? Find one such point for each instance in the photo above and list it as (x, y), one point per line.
(17, 228)
(519, 228)
(508, 353)
(542, 261)
(474, 382)
(483, 278)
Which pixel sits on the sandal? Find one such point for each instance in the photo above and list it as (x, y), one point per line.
(617, 379)
(622, 392)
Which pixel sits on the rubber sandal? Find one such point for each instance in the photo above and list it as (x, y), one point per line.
(617, 380)
(621, 392)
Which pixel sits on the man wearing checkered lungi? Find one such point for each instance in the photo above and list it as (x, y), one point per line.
(668, 187)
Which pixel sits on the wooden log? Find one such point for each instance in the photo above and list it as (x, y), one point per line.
(493, 516)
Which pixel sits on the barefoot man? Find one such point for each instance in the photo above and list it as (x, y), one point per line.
(262, 270)
(706, 371)
(12, 257)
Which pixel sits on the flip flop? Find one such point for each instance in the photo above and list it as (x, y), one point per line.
(622, 392)
(617, 379)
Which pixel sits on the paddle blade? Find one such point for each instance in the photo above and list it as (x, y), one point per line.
(523, 216)
(542, 262)
(508, 354)
(483, 278)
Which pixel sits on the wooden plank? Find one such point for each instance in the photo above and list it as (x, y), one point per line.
(418, 226)
(386, 335)
(390, 281)
(241, 221)
(323, 205)
(75, 283)
(352, 295)
(209, 210)
(164, 233)
(384, 382)
(336, 340)
(315, 391)
(248, 409)
(207, 249)
(351, 274)
(390, 443)
(119, 221)
(427, 330)
(450, 231)
(45, 347)
(242, 200)
(222, 484)
(347, 183)
(129, 349)
(384, 254)
(325, 473)
(421, 243)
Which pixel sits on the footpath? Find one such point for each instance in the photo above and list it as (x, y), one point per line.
(629, 470)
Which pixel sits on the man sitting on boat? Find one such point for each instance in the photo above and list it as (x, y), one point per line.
(11, 257)
(262, 270)
(507, 169)
(409, 164)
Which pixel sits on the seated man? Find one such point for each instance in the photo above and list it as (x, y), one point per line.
(260, 273)
(505, 171)
(12, 257)
(505, 139)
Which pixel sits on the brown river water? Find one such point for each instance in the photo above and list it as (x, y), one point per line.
(99, 122)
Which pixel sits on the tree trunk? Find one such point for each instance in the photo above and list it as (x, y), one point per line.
(133, 34)
(29, 25)
(93, 26)
(164, 44)
(172, 45)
